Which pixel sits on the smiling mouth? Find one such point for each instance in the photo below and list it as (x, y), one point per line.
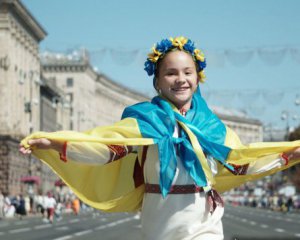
(182, 89)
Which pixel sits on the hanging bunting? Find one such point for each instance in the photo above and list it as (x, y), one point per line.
(249, 96)
(215, 58)
(295, 54)
(256, 111)
(272, 57)
(273, 97)
(239, 58)
(97, 56)
(123, 57)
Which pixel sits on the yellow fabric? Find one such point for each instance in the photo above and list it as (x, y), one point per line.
(199, 153)
(241, 155)
(111, 188)
(197, 148)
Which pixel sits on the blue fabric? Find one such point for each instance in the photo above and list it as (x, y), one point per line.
(157, 120)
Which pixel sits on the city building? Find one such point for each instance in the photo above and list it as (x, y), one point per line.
(95, 100)
(249, 130)
(26, 99)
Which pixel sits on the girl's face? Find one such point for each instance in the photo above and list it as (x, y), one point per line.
(177, 78)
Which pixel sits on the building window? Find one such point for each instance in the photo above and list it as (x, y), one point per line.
(70, 82)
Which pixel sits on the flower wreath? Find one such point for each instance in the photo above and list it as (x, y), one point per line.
(181, 43)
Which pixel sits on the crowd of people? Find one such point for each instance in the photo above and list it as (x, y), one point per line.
(48, 206)
(53, 204)
(268, 193)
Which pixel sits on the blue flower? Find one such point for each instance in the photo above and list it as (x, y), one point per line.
(201, 65)
(164, 45)
(149, 67)
(189, 46)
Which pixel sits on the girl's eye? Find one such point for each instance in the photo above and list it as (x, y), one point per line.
(170, 74)
(188, 73)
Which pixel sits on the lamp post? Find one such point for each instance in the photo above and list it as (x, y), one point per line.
(285, 117)
(297, 100)
(297, 103)
(297, 119)
(268, 130)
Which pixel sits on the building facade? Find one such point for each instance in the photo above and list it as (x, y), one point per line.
(24, 99)
(249, 130)
(20, 69)
(95, 100)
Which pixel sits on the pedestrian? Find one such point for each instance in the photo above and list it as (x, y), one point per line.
(290, 204)
(75, 205)
(58, 211)
(40, 200)
(20, 206)
(2, 203)
(27, 204)
(9, 208)
(50, 204)
(169, 157)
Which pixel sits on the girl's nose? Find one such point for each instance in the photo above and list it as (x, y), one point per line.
(180, 78)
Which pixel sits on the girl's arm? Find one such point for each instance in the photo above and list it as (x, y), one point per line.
(82, 152)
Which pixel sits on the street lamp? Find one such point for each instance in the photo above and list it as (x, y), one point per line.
(268, 130)
(297, 100)
(296, 118)
(285, 117)
(297, 103)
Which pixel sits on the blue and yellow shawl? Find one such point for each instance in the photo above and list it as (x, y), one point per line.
(111, 187)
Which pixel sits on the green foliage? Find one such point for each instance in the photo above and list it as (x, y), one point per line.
(295, 135)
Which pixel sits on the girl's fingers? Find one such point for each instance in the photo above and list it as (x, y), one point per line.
(24, 151)
(293, 154)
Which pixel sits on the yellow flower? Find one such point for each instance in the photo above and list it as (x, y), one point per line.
(201, 76)
(179, 42)
(154, 56)
(199, 55)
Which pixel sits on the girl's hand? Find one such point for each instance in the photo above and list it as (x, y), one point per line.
(41, 143)
(293, 155)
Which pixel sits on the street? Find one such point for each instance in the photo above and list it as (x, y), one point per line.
(239, 223)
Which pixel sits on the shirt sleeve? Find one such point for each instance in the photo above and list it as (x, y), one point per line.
(93, 153)
(256, 167)
(263, 166)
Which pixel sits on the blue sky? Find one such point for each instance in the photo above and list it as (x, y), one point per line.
(216, 27)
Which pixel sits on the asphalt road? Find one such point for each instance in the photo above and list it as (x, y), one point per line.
(240, 223)
(252, 223)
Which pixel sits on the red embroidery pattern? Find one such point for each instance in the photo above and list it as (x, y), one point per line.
(214, 199)
(175, 189)
(117, 152)
(285, 158)
(63, 154)
(239, 169)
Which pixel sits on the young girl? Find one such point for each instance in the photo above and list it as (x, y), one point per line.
(167, 157)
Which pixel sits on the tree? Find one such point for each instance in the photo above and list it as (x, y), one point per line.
(294, 171)
(295, 135)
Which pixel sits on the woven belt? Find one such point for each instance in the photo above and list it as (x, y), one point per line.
(175, 189)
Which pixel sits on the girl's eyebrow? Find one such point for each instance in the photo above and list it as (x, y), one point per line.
(188, 68)
(170, 69)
